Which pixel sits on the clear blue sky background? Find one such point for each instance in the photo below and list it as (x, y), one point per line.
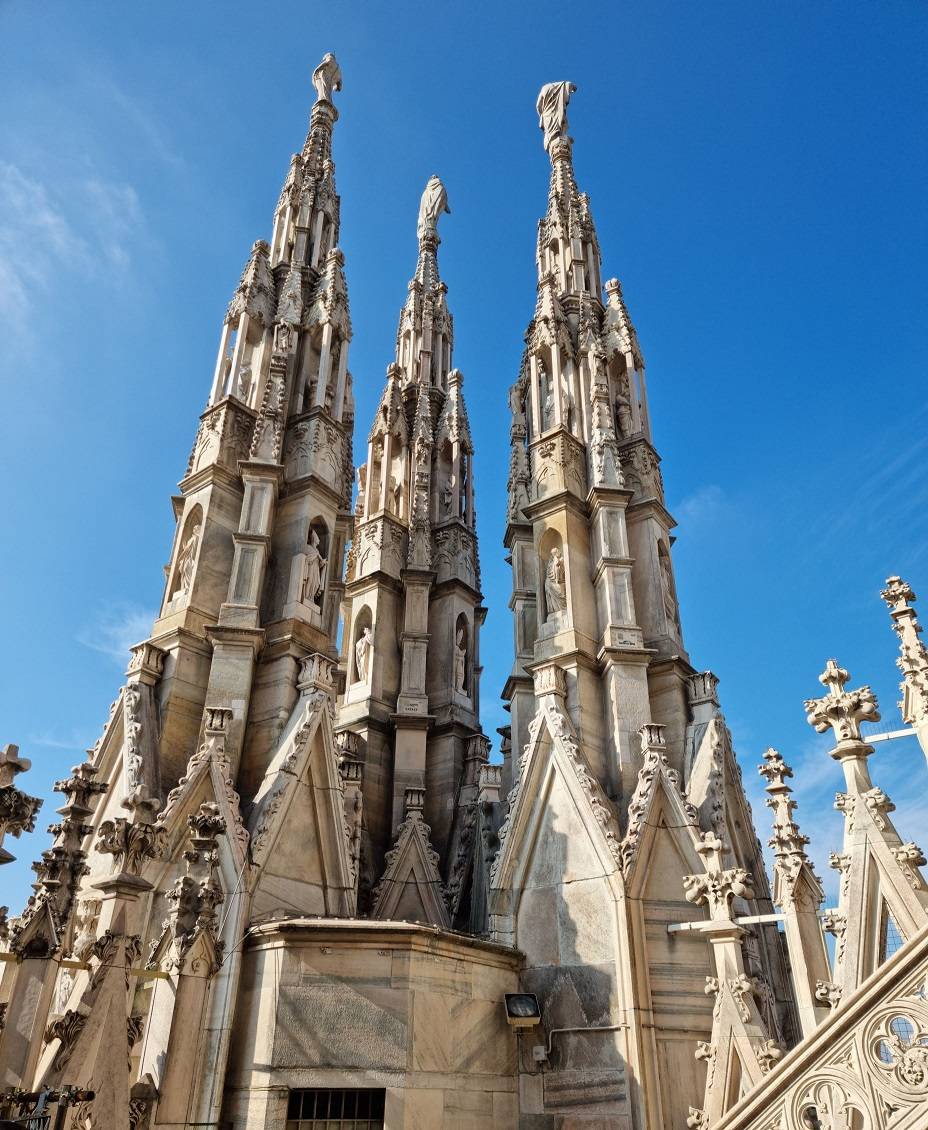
(758, 178)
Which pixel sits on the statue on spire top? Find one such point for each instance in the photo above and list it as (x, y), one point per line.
(433, 203)
(552, 110)
(327, 77)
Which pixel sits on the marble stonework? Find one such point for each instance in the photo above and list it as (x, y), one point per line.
(288, 861)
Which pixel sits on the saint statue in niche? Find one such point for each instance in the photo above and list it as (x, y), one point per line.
(460, 661)
(433, 203)
(623, 415)
(669, 592)
(327, 77)
(363, 650)
(314, 571)
(445, 498)
(547, 412)
(187, 560)
(243, 384)
(552, 110)
(555, 583)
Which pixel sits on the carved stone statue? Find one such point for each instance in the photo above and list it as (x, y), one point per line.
(547, 413)
(445, 498)
(552, 110)
(669, 592)
(327, 77)
(243, 384)
(623, 415)
(460, 661)
(433, 203)
(363, 650)
(314, 571)
(187, 560)
(555, 583)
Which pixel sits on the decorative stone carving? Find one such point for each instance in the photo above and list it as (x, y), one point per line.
(555, 583)
(717, 888)
(196, 894)
(364, 651)
(552, 110)
(460, 661)
(842, 711)
(913, 662)
(186, 561)
(313, 571)
(17, 809)
(327, 77)
(433, 203)
(40, 929)
(130, 844)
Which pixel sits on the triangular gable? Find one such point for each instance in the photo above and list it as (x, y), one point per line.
(553, 750)
(302, 788)
(657, 805)
(411, 887)
(208, 777)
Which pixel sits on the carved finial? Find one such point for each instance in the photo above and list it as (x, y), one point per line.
(913, 662)
(433, 204)
(841, 710)
(786, 839)
(652, 736)
(717, 887)
(17, 809)
(327, 77)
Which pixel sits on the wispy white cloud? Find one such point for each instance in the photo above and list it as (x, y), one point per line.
(48, 739)
(116, 629)
(52, 224)
(701, 507)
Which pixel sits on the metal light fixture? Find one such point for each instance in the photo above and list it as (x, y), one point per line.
(522, 1010)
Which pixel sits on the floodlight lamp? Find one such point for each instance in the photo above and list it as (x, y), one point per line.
(522, 1010)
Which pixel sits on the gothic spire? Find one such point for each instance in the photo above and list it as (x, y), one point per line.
(913, 662)
(424, 338)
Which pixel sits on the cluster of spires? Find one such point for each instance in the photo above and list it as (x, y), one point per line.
(303, 265)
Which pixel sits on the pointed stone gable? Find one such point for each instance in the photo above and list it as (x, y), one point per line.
(658, 784)
(302, 788)
(411, 888)
(553, 753)
(255, 293)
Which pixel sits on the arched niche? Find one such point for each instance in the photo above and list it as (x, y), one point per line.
(552, 574)
(444, 474)
(188, 548)
(668, 587)
(396, 483)
(316, 563)
(462, 665)
(361, 659)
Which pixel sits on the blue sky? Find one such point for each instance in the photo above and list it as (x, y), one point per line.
(758, 177)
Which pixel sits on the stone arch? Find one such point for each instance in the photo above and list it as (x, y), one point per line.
(188, 549)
